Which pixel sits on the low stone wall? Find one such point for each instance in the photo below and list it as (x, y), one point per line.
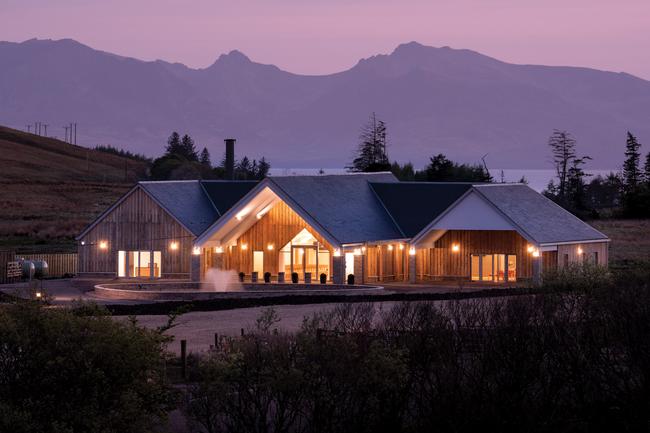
(172, 291)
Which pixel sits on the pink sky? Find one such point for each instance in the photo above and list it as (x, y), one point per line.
(324, 36)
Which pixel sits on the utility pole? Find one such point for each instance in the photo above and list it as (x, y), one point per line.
(36, 128)
(45, 129)
(75, 133)
(66, 134)
(29, 128)
(70, 132)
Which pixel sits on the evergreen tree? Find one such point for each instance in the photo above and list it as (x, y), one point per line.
(173, 144)
(575, 193)
(371, 153)
(263, 168)
(632, 178)
(563, 149)
(188, 151)
(441, 169)
(646, 170)
(205, 157)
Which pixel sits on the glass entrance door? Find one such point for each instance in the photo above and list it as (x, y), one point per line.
(305, 259)
(493, 267)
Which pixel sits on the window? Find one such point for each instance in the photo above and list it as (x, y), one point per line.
(258, 262)
(493, 267)
(304, 254)
(139, 264)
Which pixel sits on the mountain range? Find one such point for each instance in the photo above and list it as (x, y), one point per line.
(434, 100)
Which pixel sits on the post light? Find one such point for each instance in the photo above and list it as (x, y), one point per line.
(218, 250)
(269, 247)
(455, 248)
(412, 251)
(536, 253)
(196, 251)
(390, 247)
(39, 295)
(173, 245)
(337, 253)
(103, 245)
(244, 247)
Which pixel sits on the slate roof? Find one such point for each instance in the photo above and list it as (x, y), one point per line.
(413, 205)
(539, 217)
(225, 193)
(344, 205)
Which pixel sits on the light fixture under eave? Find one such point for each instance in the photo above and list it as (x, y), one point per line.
(357, 251)
(173, 246)
(390, 247)
(244, 247)
(103, 245)
(530, 249)
(218, 250)
(401, 246)
(196, 251)
(455, 248)
(536, 253)
(412, 251)
(263, 212)
(337, 253)
(241, 214)
(580, 251)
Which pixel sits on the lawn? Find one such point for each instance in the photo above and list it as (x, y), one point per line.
(630, 238)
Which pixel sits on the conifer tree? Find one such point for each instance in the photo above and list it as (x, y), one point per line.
(632, 178)
(205, 157)
(563, 149)
(187, 150)
(173, 144)
(371, 153)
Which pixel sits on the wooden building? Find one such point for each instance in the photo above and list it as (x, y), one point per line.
(368, 225)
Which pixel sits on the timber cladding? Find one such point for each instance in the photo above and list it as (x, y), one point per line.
(58, 264)
(442, 262)
(277, 228)
(138, 223)
(386, 262)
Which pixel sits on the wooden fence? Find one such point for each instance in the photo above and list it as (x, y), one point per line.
(5, 257)
(59, 264)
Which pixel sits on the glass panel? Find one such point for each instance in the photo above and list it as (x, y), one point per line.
(133, 261)
(298, 261)
(157, 264)
(475, 260)
(500, 266)
(258, 263)
(512, 268)
(487, 271)
(323, 263)
(349, 264)
(145, 264)
(121, 263)
(310, 261)
(284, 262)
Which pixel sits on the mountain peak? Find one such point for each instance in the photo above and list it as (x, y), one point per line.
(234, 57)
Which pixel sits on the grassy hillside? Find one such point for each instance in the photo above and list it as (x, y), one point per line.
(49, 189)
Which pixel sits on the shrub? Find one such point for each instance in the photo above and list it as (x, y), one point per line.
(577, 277)
(79, 370)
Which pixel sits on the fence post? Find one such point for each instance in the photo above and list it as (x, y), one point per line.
(184, 358)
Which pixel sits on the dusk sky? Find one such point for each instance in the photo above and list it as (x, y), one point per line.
(319, 37)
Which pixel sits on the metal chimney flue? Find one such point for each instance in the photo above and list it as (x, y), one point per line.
(230, 158)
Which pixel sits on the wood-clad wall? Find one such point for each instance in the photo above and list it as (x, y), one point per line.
(277, 227)
(384, 264)
(441, 262)
(588, 249)
(137, 224)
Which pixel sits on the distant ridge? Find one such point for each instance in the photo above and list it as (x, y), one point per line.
(458, 102)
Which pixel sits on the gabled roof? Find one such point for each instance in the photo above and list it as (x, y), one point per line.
(185, 200)
(344, 205)
(413, 205)
(542, 219)
(225, 193)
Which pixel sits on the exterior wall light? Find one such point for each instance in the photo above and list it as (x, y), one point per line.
(269, 247)
(196, 251)
(173, 246)
(103, 245)
(530, 249)
(536, 253)
(455, 248)
(401, 246)
(412, 251)
(83, 243)
(580, 250)
(357, 251)
(363, 249)
(390, 247)
(244, 247)
(337, 253)
(218, 250)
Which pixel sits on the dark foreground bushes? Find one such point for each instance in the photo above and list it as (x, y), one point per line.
(577, 362)
(79, 371)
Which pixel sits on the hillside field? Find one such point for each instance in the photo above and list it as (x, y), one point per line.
(50, 190)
